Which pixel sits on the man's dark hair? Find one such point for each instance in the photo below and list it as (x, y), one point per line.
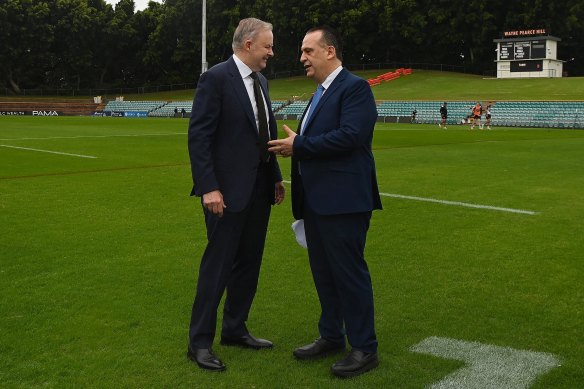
(331, 38)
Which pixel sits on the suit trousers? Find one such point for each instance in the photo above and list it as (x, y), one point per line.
(231, 262)
(336, 245)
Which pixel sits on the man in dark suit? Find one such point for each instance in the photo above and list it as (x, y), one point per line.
(334, 189)
(238, 181)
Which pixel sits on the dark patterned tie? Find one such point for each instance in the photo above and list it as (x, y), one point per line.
(263, 121)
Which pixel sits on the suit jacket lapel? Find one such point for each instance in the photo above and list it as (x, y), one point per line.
(241, 92)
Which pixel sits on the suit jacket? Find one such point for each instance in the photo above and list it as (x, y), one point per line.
(337, 166)
(223, 137)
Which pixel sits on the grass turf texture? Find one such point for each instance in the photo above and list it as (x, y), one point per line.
(99, 257)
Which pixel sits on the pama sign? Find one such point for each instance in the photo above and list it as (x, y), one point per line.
(45, 113)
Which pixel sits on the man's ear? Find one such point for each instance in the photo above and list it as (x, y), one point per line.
(331, 52)
(247, 45)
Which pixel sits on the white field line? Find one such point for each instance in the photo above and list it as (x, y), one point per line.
(93, 136)
(460, 204)
(457, 203)
(486, 365)
(50, 152)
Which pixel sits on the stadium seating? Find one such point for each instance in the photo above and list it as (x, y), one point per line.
(133, 106)
(292, 111)
(277, 104)
(168, 110)
(554, 114)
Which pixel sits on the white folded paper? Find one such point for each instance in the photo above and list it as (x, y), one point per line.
(298, 228)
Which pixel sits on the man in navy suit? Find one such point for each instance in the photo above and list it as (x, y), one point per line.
(238, 180)
(334, 189)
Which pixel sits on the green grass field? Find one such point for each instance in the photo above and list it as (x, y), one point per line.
(99, 257)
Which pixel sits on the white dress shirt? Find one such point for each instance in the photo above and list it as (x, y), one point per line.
(245, 73)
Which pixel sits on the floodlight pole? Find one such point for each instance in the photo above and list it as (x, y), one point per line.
(204, 39)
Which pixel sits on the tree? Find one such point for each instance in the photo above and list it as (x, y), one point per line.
(89, 43)
(72, 44)
(26, 35)
(145, 23)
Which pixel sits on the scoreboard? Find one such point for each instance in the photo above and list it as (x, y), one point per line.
(529, 49)
(528, 53)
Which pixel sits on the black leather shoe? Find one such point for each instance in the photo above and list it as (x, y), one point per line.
(205, 358)
(248, 341)
(319, 348)
(355, 363)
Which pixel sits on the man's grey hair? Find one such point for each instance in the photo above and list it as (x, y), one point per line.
(248, 29)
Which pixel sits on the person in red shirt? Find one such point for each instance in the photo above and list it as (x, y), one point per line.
(477, 111)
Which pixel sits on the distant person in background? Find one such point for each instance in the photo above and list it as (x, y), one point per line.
(238, 180)
(488, 117)
(443, 115)
(414, 113)
(470, 117)
(175, 112)
(182, 113)
(477, 111)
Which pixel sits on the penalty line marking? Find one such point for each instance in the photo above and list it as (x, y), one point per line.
(487, 366)
(461, 204)
(49, 151)
(458, 203)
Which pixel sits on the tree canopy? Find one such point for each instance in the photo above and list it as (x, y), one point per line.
(90, 44)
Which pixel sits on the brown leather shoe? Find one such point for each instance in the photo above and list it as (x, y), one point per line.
(355, 363)
(205, 358)
(317, 349)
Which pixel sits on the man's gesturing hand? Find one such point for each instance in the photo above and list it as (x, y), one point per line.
(283, 147)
